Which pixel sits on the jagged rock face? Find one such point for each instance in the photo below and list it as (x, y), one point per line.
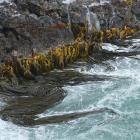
(27, 24)
(22, 31)
(40, 32)
(113, 14)
(38, 7)
(7, 10)
(136, 9)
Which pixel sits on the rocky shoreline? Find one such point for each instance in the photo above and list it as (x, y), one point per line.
(70, 31)
(29, 28)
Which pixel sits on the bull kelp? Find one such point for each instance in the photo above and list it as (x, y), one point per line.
(60, 57)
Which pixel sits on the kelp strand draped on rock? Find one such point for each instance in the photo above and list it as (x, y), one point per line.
(59, 57)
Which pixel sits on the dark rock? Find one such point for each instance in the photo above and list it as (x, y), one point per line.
(42, 24)
(136, 10)
(26, 101)
(23, 30)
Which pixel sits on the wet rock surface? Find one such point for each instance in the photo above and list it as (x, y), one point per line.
(42, 24)
(22, 29)
(26, 101)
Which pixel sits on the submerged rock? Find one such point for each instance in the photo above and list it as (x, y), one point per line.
(26, 101)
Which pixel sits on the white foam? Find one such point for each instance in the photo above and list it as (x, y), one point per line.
(99, 3)
(110, 47)
(68, 1)
(4, 1)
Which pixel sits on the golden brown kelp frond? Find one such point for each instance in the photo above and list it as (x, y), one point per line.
(129, 2)
(28, 67)
(58, 58)
(97, 36)
(7, 74)
(118, 33)
(112, 34)
(7, 71)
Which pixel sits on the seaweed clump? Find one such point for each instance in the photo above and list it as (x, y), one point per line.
(60, 57)
(118, 33)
